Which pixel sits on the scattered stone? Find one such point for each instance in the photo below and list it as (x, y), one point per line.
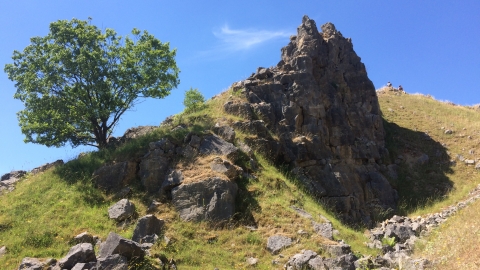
(121, 210)
(338, 249)
(146, 227)
(115, 244)
(84, 237)
(153, 206)
(211, 199)
(3, 251)
(252, 261)
(300, 261)
(469, 162)
(323, 229)
(81, 253)
(448, 131)
(31, 264)
(278, 242)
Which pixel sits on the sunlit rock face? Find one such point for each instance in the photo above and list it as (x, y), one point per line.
(324, 107)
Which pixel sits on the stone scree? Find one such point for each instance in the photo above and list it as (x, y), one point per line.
(326, 112)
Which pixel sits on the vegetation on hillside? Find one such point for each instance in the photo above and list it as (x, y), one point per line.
(47, 210)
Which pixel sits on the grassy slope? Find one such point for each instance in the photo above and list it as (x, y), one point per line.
(40, 217)
(456, 243)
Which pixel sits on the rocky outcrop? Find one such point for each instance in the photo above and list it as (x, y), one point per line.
(320, 102)
(148, 225)
(276, 243)
(115, 176)
(81, 253)
(210, 199)
(115, 244)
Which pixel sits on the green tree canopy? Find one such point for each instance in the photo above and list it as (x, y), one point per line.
(77, 81)
(193, 100)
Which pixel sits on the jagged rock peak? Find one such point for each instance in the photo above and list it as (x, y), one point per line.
(324, 108)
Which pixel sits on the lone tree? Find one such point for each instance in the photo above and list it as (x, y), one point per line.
(77, 81)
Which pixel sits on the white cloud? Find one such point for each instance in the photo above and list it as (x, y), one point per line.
(238, 40)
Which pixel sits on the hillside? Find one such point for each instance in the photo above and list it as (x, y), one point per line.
(289, 167)
(47, 210)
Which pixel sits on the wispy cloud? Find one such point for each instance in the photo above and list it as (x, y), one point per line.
(239, 40)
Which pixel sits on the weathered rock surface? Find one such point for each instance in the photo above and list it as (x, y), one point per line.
(115, 176)
(154, 166)
(320, 90)
(276, 243)
(146, 226)
(121, 210)
(214, 145)
(308, 259)
(84, 237)
(225, 132)
(31, 264)
(211, 199)
(47, 166)
(112, 262)
(81, 253)
(115, 244)
(225, 167)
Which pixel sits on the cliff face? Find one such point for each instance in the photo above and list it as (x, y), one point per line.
(320, 102)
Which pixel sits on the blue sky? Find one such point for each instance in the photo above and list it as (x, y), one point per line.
(430, 47)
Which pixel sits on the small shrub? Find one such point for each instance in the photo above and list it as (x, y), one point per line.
(389, 241)
(193, 101)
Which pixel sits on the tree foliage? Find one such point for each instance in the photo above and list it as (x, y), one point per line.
(193, 100)
(77, 81)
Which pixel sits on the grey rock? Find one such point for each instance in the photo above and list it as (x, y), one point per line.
(115, 176)
(214, 145)
(47, 166)
(448, 131)
(3, 251)
(31, 264)
(323, 229)
(79, 266)
(136, 132)
(320, 90)
(225, 132)
(337, 250)
(153, 206)
(13, 174)
(112, 262)
(252, 261)
(316, 263)
(175, 178)
(210, 199)
(84, 237)
(400, 232)
(115, 244)
(300, 261)
(121, 210)
(81, 253)
(276, 243)
(344, 262)
(225, 167)
(147, 225)
(239, 108)
(154, 169)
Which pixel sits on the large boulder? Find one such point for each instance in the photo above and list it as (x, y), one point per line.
(211, 199)
(146, 226)
(325, 111)
(115, 176)
(115, 244)
(81, 253)
(121, 210)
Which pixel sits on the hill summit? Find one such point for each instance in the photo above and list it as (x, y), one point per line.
(321, 103)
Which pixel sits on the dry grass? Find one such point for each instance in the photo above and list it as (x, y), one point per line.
(456, 244)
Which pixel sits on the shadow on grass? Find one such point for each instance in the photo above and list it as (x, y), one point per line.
(419, 184)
